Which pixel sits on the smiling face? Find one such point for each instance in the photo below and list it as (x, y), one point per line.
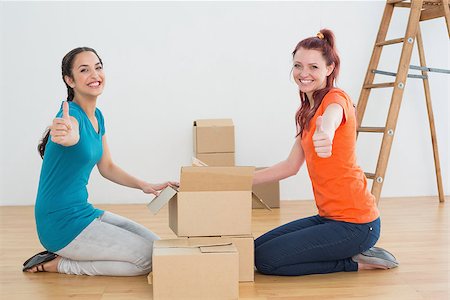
(310, 71)
(88, 78)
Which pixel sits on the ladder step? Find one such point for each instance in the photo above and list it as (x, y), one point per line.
(390, 42)
(379, 85)
(394, 1)
(371, 129)
(395, 74)
(432, 13)
(370, 175)
(412, 67)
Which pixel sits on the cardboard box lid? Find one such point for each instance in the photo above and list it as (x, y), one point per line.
(213, 122)
(197, 179)
(204, 244)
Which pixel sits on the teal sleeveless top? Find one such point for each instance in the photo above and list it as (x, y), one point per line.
(62, 210)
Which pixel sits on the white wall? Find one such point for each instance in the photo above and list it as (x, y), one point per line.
(169, 63)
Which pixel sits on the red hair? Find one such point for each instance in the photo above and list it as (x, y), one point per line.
(325, 43)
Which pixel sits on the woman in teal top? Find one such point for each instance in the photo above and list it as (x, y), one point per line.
(79, 238)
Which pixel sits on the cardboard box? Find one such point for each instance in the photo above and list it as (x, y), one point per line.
(267, 192)
(245, 245)
(213, 136)
(211, 201)
(205, 268)
(221, 159)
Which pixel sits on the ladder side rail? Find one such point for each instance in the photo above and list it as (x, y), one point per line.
(397, 94)
(373, 64)
(426, 87)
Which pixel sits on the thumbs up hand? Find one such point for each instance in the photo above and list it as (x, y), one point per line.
(321, 140)
(64, 131)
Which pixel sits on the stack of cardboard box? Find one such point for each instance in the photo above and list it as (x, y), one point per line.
(211, 215)
(214, 141)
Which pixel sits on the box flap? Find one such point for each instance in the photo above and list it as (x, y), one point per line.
(192, 242)
(162, 199)
(197, 162)
(197, 179)
(213, 122)
(218, 249)
(257, 199)
(240, 236)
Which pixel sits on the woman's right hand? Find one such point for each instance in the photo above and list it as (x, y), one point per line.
(64, 131)
(154, 189)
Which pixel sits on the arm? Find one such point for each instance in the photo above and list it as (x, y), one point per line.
(283, 169)
(326, 126)
(114, 173)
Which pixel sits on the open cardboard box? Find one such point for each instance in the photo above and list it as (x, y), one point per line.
(271, 191)
(195, 268)
(211, 201)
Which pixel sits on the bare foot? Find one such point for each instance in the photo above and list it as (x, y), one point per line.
(363, 266)
(50, 266)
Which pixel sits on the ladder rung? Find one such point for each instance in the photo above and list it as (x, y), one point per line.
(429, 69)
(371, 129)
(390, 42)
(403, 4)
(394, 1)
(369, 175)
(379, 85)
(395, 74)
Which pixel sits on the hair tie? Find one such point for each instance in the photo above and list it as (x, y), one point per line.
(320, 35)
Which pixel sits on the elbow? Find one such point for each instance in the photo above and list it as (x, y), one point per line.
(101, 171)
(290, 169)
(293, 171)
(104, 170)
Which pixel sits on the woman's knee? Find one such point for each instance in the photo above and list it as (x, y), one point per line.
(263, 264)
(145, 258)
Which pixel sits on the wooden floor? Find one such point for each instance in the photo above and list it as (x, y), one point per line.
(416, 230)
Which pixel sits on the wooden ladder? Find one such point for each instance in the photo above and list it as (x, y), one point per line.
(420, 10)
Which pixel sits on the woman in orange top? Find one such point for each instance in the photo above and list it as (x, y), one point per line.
(341, 237)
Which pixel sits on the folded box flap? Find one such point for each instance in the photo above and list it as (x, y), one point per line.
(259, 200)
(197, 179)
(213, 122)
(192, 242)
(162, 199)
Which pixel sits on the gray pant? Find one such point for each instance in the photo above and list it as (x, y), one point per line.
(111, 245)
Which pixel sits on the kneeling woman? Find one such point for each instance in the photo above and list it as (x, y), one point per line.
(79, 238)
(341, 237)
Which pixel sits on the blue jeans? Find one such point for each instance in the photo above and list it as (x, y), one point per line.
(314, 245)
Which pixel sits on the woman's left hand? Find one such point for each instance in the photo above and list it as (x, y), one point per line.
(322, 142)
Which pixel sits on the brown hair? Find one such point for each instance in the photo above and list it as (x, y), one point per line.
(325, 43)
(66, 70)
